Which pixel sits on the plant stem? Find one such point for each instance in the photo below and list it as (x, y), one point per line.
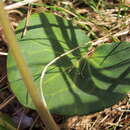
(27, 78)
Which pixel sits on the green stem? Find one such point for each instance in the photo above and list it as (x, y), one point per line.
(27, 78)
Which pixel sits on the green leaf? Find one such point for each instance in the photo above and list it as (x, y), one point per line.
(75, 84)
(2, 128)
(6, 122)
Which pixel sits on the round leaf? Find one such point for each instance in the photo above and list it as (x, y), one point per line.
(75, 84)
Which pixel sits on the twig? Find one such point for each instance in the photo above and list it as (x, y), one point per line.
(19, 4)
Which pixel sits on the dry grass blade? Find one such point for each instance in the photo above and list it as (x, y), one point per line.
(31, 127)
(107, 38)
(3, 53)
(19, 4)
(6, 102)
(27, 20)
